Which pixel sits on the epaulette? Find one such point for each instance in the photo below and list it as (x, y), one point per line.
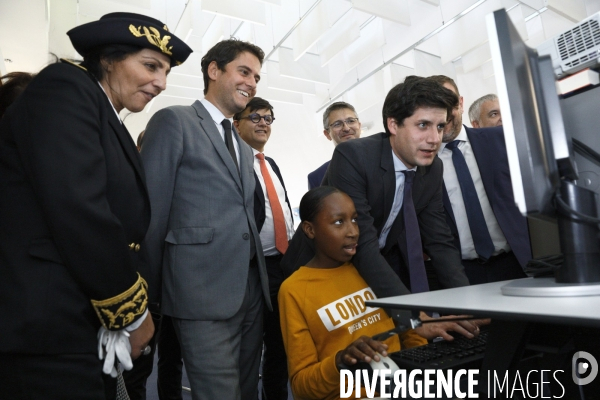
(119, 311)
(72, 63)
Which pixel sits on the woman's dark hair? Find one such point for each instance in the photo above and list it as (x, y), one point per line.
(92, 60)
(11, 86)
(312, 202)
(225, 52)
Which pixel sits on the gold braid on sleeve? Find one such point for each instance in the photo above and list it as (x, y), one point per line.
(123, 309)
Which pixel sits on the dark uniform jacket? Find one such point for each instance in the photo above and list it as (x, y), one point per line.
(73, 201)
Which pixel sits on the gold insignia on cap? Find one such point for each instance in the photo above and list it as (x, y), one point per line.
(166, 28)
(121, 310)
(153, 37)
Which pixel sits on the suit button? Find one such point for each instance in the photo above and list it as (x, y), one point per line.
(246, 236)
(132, 246)
(137, 248)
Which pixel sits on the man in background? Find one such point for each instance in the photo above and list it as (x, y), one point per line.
(485, 112)
(488, 228)
(273, 215)
(340, 123)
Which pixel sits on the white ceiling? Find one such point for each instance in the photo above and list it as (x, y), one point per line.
(318, 51)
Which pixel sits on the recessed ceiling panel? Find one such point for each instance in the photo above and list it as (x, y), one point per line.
(276, 81)
(393, 10)
(345, 31)
(474, 58)
(307, 68)
(245, 10)
(310, 30)
(570, 9)
(371, 40)
(467, 32)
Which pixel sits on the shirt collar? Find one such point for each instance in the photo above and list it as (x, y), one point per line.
(111, 104)
(399, 165)
(462, 136)
(214, 112)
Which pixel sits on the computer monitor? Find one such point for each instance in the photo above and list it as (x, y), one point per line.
(541, 163)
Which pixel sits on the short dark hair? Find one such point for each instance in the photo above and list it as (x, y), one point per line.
(225, 52)
(312, 202)
(257, 103)
(92, 60)
(11, 86)
(403, 99)
(338, 105)
(443, 79)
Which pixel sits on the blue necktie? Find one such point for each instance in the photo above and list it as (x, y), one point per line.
(479, 230)
(414, 248)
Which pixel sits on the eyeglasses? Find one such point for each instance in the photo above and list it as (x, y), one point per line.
(255, 117)
(339, 124)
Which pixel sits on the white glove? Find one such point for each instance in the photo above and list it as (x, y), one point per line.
(113, 344)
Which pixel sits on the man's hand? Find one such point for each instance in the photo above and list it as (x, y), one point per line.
(468, 328)
(140, 338)
(362, 349)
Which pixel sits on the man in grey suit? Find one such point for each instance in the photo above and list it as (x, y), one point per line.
(203, 242)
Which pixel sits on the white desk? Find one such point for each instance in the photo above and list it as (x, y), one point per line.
(486, 300)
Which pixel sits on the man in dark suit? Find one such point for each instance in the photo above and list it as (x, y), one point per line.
(203, 239)
(273, 215)
(371, 172)
(340, 123)
(480, 209)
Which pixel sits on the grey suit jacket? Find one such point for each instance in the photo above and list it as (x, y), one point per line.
(202, 216)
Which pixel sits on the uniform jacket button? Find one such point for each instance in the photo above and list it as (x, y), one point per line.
(137, 248)
(246, 236)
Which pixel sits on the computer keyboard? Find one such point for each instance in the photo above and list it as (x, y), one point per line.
(459, 353)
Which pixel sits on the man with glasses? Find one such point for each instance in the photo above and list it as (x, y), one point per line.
(273, 215)
(340, 123)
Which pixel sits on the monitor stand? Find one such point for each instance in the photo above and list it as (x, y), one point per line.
(548, 287)
(580, 243)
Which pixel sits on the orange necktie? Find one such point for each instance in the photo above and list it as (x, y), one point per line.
(281, 241)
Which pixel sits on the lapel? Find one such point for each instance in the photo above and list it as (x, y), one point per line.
(388, 177)
(208, 126)
(484, 160)
(448, 206)
(126, 142)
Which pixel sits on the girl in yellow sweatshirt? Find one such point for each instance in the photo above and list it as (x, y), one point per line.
(324, 319)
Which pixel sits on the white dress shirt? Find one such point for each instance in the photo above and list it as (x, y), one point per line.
(458, 205)
(218, 117)
(267, 233)
(399, 168)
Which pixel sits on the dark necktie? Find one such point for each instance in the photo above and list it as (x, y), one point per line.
(479, 230)
(414, 248)
(229, 141)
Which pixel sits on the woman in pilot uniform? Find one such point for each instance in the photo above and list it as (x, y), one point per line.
(73, 211)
